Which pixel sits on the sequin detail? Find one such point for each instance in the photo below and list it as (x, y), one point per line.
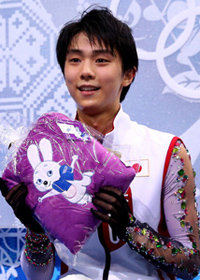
(182, 179)
(166, 253)
(137, 229)
(38, 249)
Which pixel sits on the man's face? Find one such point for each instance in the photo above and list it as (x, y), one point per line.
(93, 76)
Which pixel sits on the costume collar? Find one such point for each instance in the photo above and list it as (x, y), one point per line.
(121, 121)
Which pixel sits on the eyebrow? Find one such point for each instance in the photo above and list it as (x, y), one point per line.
(95, 52)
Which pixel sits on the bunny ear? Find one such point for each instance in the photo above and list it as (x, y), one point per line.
(33, 155)
(46, 149)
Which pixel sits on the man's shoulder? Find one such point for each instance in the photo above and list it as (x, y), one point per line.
(149, 132)
(142, 129)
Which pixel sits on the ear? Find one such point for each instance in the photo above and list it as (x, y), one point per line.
(129, 75)
(33, 155)
(46, 149)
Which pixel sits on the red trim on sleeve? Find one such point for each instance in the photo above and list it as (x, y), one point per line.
(168, 157)
(162, 227)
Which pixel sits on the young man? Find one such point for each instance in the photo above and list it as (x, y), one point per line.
(153, 236)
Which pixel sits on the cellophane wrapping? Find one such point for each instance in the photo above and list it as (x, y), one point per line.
(63, 163)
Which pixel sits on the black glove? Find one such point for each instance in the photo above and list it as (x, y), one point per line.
(15, 197)
(113, 209)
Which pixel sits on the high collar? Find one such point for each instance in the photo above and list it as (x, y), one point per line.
(121, 123)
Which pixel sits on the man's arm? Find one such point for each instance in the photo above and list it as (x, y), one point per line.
(179, 254)
(37, 259)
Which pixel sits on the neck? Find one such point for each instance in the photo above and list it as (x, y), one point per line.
(101, 122)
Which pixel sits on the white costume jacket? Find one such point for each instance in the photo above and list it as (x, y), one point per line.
(136, 144)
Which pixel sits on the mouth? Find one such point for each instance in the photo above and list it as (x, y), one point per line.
(88, 89)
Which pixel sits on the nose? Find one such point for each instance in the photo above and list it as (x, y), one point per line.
(87, 71)
(45, 183)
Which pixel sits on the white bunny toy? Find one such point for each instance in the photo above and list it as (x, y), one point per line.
(50, 176)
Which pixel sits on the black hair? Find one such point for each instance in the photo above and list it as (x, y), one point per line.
(100, 24)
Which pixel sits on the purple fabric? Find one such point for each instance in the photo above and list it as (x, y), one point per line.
(63, 167)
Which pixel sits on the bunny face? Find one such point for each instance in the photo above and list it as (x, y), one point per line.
(45, 174)
(47, 171)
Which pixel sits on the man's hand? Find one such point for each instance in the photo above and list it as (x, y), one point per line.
(15, 197)
(113, 209)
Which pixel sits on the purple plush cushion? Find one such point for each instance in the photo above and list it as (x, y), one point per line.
(63, 166)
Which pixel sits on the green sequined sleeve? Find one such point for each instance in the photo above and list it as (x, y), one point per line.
(178, 254)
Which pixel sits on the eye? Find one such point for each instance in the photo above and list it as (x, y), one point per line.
(39, 181)
(74, 60)
(102, 60)
(49, 173)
